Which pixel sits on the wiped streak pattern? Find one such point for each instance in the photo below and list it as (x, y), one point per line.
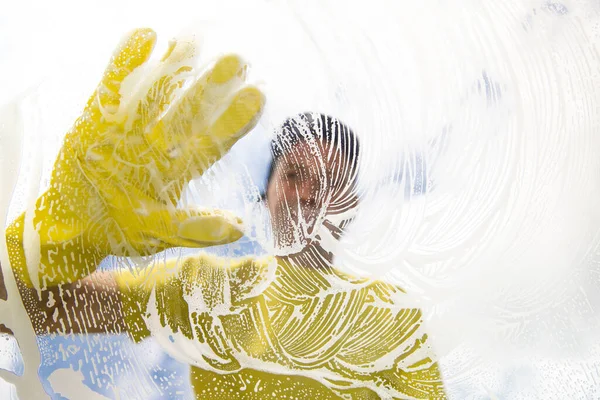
(479, 197)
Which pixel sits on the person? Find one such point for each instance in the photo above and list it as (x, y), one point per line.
(285, 326)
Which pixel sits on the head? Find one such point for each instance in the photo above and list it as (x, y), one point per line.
(312, 180)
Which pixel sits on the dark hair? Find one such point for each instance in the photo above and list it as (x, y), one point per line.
(321, 128)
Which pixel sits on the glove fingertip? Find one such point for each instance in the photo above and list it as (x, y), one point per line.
(227, 68)
(242, 114)
(210, 230)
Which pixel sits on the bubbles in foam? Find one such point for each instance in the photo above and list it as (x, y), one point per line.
(479, 173)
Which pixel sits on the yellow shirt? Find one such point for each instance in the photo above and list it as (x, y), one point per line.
(253, 329)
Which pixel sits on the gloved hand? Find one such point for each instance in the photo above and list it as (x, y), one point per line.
(145, 132)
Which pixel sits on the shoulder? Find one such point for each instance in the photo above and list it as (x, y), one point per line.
(377, 290)
(245, 276)
(367, 281)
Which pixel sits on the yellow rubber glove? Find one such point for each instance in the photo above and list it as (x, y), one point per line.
(146, 131)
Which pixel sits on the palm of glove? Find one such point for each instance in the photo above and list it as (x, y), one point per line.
(140, 139)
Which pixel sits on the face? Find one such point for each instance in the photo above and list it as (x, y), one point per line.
(309, 184)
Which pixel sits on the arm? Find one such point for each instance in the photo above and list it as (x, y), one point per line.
(89, 305)
(63, 303)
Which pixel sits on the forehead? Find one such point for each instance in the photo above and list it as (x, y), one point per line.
(311, 153)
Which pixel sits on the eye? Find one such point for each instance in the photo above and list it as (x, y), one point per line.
(291, 175)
